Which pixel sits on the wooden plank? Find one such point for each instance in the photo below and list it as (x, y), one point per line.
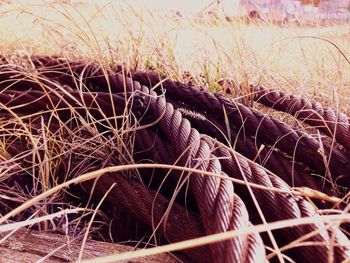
(29, 246)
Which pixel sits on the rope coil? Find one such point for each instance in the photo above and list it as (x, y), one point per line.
(170, 132)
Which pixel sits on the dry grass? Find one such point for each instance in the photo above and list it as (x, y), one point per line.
(309, 61)
(293, 58)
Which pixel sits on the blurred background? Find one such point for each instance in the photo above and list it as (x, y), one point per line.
(298, 46)
(279, 10)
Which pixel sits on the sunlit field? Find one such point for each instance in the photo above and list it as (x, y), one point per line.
(225, 56)
(308, 60)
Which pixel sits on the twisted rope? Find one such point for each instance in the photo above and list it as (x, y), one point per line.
(268, 131)
(282, 206)
(274, 205)
(332, 123)
(94, 77)
(265, 129)
(295, 174)
(150, 207)
(215, 199)
(221, 208)
(296, 208)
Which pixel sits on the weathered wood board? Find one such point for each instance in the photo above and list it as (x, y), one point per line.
(29, 246)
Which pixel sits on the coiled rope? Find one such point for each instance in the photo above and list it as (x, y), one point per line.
(274, 205)
(222, 205)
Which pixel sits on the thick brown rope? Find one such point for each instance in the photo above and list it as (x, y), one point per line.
(281, 206)
(265, 129)
(178, 132)
(216, 205)
(297, 208)
(295, 174)
(151, 207)
(221, 210)
(94, 78)
(330, 122)
(275, 206)
(210, 204)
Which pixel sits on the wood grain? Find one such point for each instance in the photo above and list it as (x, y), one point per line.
(29, 246)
